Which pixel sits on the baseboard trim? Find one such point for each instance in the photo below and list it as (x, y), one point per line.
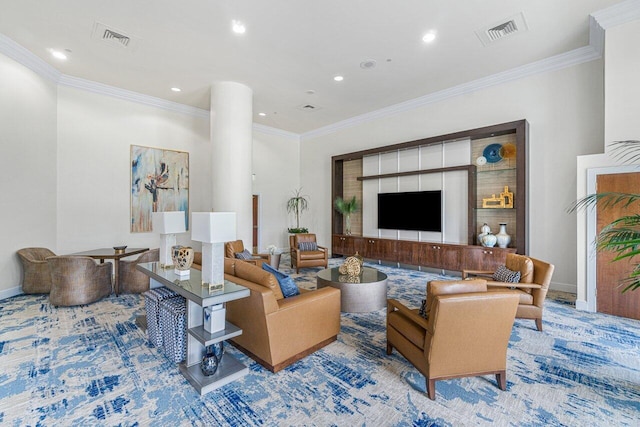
(11, 292)
(563, 287)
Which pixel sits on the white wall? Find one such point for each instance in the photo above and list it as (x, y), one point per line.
(95, 133)
(564, 109)
(622, 110)
(276, 160)
(28, 160)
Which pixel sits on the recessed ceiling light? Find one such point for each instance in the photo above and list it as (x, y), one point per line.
(176, 89)
(262, 114)
(57, 54)
(338, 78)
(238, 27)
(429, 37)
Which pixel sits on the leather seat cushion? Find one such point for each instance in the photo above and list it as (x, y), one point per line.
(525, 298)
(407, 328)
(311, 255)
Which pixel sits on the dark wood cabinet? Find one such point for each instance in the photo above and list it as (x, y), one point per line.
(426, 254)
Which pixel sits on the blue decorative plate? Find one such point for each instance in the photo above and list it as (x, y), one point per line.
(492, 153)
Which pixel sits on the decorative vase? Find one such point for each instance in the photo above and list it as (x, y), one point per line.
(182, 257)
(484, 230)
(489, 240)
(212, 358)
(502, 237)
(347, 221)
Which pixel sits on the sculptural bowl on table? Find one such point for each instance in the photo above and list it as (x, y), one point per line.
(182, 257)
(352, 266)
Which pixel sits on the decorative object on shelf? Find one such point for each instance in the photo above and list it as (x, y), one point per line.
(212, 358)
(159, 182)
(351, 266)
(214, 318)
(484, 230)
(298, 204)
(508, 151)
(182, 257)
(505, 200)
(489, 240)
(492, 153)
(213, 229)
(502, 237)
(119, 249)
(481, 161)
(168, 224)
(346, 208)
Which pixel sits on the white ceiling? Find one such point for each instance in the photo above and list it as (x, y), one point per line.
(293, 46)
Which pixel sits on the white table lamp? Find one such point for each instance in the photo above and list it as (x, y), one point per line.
(213, 229)
(168, 224)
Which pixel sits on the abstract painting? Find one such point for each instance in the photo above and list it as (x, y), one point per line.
(159, 183)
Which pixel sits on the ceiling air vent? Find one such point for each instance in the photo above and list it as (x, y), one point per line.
(505, 28)
(113, 37)
(308, 107)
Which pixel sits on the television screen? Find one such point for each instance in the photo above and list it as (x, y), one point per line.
(414, 210)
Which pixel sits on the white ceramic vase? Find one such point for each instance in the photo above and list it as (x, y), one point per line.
(484, 230)
(502, 237)
(489, 240)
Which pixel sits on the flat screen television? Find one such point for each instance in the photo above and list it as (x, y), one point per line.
(413, 210)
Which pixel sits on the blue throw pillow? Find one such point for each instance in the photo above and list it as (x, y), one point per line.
(287, 285)
(307, 246)
(245, 255)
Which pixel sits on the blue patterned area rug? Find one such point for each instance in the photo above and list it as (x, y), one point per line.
(90, 365)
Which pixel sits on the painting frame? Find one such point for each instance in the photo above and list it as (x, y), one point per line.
(159, 182)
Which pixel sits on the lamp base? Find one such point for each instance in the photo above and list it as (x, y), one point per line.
(182, 273)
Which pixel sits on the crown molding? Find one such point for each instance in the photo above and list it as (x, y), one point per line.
(127, 95)
(268, 130)
(620, 13)
(23, 56)
(557, 62)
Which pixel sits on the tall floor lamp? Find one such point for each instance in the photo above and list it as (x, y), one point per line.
(213, 229)
(168, 224)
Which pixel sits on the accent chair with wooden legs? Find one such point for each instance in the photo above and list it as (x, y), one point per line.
(466, 334)
(535, 277)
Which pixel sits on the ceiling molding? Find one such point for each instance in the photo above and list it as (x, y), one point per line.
(618, 14)
(25, 57)
(128, 95)
(268, 130)
(564, 60)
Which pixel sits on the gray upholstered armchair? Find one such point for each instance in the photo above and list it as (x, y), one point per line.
(37, 279)
(77, 280)
(131, 280)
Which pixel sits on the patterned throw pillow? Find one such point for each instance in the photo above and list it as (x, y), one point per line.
(307, 246)
(423, 309)
(503, 274)
(244, 255)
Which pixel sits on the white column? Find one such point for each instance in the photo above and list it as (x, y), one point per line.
(232, 139)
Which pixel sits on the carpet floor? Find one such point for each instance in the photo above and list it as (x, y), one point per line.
(91, 365)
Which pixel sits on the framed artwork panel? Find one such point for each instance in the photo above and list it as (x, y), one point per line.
(159, 183)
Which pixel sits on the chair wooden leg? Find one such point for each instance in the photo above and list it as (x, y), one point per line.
(501, 379)
(539, 324)
(389, 348)
(431, 388)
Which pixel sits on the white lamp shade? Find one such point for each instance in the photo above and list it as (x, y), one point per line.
(168, 222)
(213, 227)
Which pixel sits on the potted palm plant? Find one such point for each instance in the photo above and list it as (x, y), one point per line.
(297, 204)
(622, 235)
(346, 208)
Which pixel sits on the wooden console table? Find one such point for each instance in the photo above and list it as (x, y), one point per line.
(199, 297)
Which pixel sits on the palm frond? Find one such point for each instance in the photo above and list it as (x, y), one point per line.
(346, 207)
(607, 199)
(626, 151)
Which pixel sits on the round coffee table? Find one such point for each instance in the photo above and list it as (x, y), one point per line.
(363, 293)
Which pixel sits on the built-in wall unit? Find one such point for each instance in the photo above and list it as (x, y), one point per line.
(425, 202)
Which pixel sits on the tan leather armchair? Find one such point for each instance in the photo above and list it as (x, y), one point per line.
(535, 277)
(36, 278)
(133, 281)
(231, 248)
(278, 331)
(466, 334)
(301, 259)
(77, 280)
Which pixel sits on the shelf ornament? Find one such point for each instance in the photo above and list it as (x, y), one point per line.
(504, 201)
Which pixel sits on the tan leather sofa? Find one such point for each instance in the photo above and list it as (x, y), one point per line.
(301, 259)
(466, 334)
(535, 277)
(278, 331)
